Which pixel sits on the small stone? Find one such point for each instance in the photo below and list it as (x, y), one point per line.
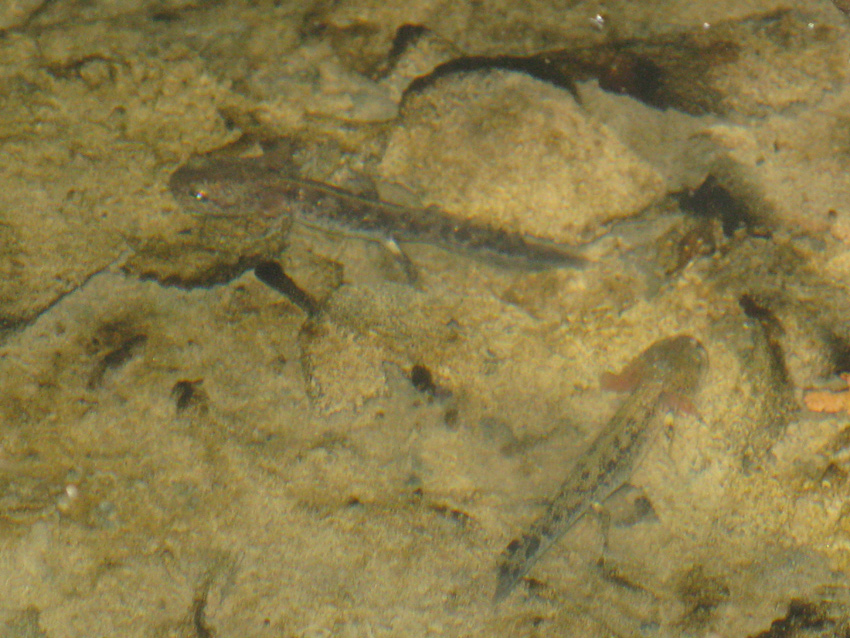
(506, 149)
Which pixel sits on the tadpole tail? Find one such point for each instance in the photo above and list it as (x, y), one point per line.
(520, 555)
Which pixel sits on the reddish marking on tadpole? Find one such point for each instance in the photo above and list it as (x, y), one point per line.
(626, 380)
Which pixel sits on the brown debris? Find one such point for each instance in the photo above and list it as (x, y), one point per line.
(829, 402)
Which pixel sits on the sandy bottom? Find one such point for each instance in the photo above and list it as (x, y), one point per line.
(184, 452)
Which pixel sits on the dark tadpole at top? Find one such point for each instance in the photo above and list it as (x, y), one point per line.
(666, 71)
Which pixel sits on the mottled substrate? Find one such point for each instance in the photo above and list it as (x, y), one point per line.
(205, 461)
(520, 153)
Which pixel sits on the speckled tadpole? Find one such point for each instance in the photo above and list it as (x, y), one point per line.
(242, 188)
(668, 368)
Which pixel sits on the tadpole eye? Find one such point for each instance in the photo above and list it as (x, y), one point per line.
(198, 194)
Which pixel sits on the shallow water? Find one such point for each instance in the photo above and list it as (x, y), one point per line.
(184, 451)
